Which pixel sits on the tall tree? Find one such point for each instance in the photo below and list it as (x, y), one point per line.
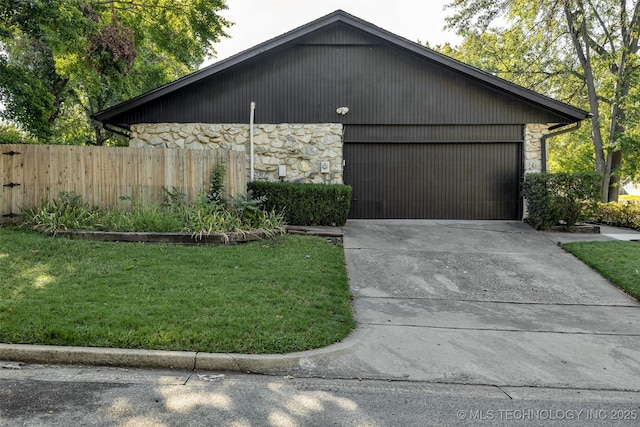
(601, 36)
(63, 60)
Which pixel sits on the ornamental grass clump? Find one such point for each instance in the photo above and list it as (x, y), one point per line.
(68, 212)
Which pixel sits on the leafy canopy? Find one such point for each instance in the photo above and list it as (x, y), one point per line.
(63, 60)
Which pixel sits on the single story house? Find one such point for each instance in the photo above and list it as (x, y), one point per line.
(416, 134)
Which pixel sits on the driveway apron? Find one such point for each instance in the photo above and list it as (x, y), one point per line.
(481, 302)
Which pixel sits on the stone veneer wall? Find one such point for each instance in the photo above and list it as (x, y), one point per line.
(533, 133)
(299, 147)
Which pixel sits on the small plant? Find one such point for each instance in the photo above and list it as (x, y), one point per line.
(246, 207)
(174, 197)
(216, 184)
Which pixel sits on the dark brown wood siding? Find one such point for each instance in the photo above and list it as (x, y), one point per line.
(305, 82)
(434, 181)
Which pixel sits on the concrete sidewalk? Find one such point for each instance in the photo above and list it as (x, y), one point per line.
(606, 233)
(462, 302)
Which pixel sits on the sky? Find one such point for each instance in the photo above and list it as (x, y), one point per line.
(257, 21)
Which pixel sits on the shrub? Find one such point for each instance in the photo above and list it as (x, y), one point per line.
(305, 204)
(561, 198)
(619, 214)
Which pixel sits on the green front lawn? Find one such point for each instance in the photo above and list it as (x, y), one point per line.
(273, 296)
(617, 261)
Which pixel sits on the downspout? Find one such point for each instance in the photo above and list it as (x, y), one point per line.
(251, 118)
(543, 141)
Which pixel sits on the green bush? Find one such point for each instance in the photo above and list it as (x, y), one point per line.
(619, 214)
(305, 204)
(561, 198)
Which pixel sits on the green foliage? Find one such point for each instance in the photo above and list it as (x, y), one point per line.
(10, 134)
(143, 216)
(528, 59)
(572, 152)
(247, 207)
(619, 214)
(202, 218)
(241, 215)
(28, 101)
(560, 198)
(64, 60)
(216, 184)
(174, 198)
(73, 127)
(68, 212)
(306, 204)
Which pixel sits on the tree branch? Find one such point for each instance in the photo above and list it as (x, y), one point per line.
(608, 37)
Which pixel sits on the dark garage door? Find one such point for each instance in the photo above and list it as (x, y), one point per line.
(437, 181)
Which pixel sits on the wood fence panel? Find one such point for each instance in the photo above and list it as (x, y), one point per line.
(101, 175)
(31, 165)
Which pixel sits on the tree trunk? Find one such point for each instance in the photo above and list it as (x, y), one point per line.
(579, 34)
(614, 180)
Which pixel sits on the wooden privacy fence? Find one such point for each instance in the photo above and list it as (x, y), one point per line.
(29, 174)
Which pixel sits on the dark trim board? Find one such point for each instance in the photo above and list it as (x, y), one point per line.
(434, 181)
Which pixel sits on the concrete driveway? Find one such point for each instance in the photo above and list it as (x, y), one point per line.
(481, 302)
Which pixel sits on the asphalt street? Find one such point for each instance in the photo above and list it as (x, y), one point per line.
(38, 395)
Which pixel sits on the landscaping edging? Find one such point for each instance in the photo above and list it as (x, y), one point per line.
(195, 239)
(166, 238)
(579, 228)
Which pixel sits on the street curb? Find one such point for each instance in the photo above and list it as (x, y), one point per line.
(161, 359)
(60, 355)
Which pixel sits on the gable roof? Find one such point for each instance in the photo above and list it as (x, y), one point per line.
(572, 113)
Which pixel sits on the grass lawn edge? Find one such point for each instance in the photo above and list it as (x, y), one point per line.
(617, 261)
